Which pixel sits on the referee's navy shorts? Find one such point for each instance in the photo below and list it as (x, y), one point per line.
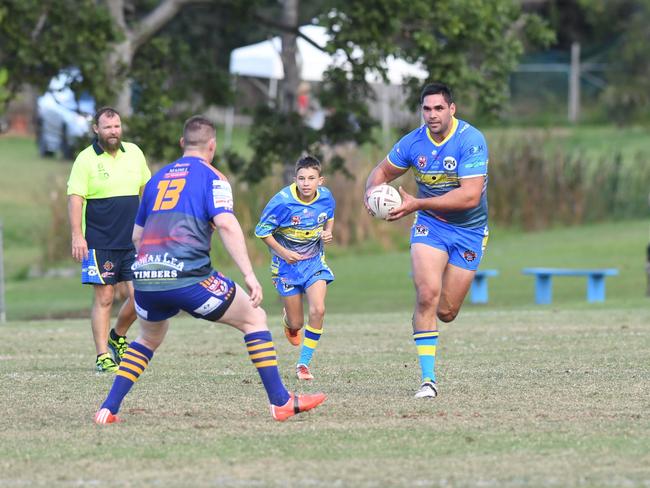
(107, 266)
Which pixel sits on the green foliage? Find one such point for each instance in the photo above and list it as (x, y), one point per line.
(4, 94)
(38, 38)
(157, 121)
(181, 70)
(276, 138)
(627, 96)
(184, 66)
(617, 32)
(455, 42)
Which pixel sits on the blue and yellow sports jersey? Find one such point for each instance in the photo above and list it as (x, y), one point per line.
(438, 167)
(297, 226)
(176, 211)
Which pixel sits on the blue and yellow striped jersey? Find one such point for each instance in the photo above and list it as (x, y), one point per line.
(439, 167)
(295, 224)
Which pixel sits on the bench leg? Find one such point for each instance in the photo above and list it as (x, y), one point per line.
(479, 290)
(596, 288)
(543, 289)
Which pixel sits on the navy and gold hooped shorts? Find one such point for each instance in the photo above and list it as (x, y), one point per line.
(208, 299)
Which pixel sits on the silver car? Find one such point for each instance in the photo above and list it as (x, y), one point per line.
(62, 117)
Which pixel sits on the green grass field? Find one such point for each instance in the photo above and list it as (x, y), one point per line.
(528, 398)
(380, 282)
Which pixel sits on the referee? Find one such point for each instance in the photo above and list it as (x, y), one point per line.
(103, 196)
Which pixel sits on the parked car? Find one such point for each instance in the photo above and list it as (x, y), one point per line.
(62, 117)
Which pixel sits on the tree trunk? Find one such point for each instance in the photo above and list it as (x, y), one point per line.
(289, 92)
(288, 102)
(119, 66)
(119, 62)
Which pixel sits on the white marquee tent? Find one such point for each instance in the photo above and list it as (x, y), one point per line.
(262, 60)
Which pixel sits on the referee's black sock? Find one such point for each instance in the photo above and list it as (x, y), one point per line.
(114, 335)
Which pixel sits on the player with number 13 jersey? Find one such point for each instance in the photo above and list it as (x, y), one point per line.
(176, 211)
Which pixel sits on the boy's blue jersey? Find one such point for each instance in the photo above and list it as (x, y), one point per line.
(438, 167)
(297, 226)
(176, 211)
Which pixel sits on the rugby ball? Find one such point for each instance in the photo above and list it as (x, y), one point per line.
(381, 199)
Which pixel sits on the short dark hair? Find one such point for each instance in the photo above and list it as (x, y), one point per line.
(110, 112)
(198, 130)
(308, 162)
(437, 89)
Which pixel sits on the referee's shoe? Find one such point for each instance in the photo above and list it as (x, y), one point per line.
(105, 363)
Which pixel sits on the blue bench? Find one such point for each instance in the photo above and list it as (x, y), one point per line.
(544, 283)
(479, 290)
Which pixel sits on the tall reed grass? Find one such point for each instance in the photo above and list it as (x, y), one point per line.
(534, 183)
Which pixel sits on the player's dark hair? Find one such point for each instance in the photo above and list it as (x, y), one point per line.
(308, 162)
(437, 89)
(198, 130)
(110, 112)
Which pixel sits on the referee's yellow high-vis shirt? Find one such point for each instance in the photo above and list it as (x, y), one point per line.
(111, 187)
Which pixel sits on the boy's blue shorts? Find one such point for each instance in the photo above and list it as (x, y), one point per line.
(287, 289)
(208, 299)
(464, 246)
(291, 279)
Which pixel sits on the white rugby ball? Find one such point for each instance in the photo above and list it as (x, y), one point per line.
(381, 199)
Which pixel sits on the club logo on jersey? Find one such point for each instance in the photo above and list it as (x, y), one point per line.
(422, 161)
(469, 256)
(421, 230)
(108, 265)
(449, 163)
(295, 220)
(103, 174)
(322, 217)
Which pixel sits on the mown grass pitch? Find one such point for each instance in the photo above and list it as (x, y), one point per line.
(527, 398)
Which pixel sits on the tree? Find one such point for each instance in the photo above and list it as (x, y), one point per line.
(471, 45)
(174, 54)
(183, 68)
(616, 31)
(628, 68)
(37, 39)
(133, 35)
